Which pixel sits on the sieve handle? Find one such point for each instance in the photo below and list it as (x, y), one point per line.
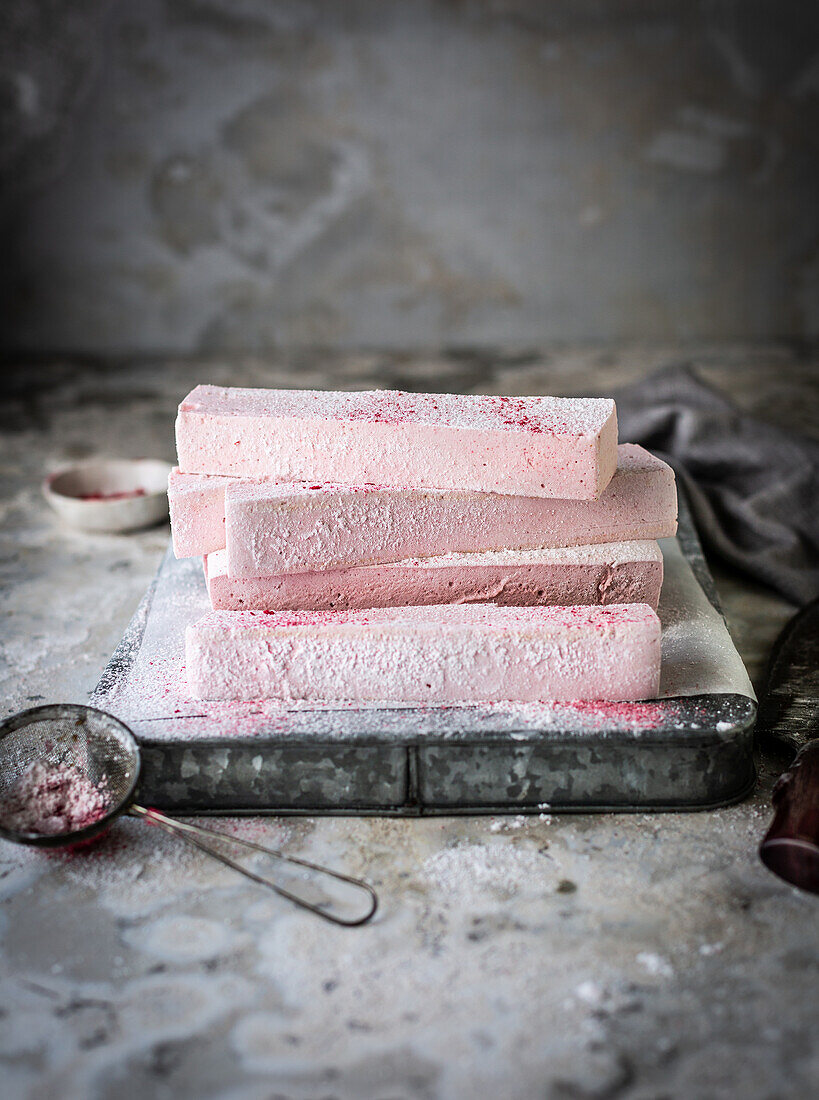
(327, 887)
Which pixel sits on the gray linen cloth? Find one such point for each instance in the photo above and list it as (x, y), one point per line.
(753, 488)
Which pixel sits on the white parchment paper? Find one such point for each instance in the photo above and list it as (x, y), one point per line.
(699, 656)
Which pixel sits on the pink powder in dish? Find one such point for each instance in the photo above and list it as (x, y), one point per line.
(53, 799)
(125, 494)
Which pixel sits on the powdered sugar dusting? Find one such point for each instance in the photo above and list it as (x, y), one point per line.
(53, 799)
(574, 416)
(471, 871)
(179, 484)
(436, 617)
(603, 553)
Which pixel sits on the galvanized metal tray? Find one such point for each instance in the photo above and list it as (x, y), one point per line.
(679, 753)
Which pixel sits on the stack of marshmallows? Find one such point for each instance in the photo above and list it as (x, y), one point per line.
(419, 548)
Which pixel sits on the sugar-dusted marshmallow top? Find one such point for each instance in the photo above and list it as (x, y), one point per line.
(180, 484)
(631, 457)
(571, 416)
(603, 553)
(564, 621)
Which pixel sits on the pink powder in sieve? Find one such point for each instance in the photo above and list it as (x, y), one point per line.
(53, 799)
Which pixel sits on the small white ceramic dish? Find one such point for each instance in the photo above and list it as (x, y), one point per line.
(115, 494)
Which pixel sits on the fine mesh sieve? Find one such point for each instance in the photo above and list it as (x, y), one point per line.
(67, 770)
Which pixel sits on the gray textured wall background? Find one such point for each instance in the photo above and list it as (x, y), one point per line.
(213, 175)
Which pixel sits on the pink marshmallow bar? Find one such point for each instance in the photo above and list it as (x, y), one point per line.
(622, 572)
(274, 528)
(529, 446)
(640, 502)
(455, 653)
(197, 507)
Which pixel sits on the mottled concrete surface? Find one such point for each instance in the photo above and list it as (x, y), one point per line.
(567, 958)
(205, 175)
